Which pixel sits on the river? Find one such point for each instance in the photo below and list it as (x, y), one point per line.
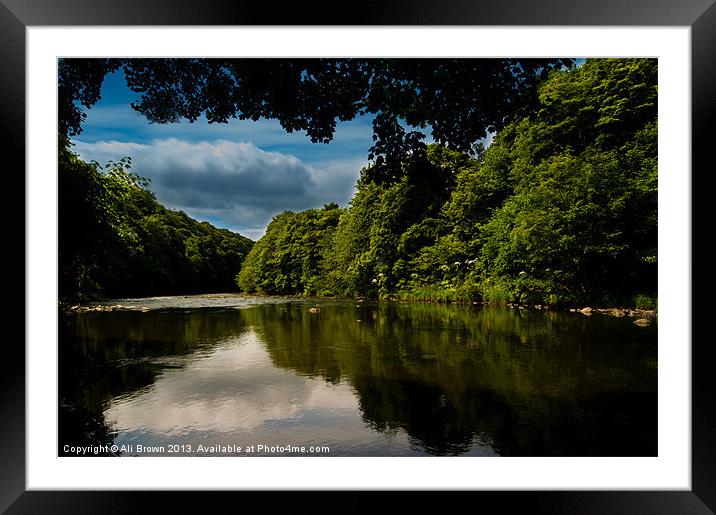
(249, 376)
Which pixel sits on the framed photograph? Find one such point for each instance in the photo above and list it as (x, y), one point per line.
(417, 250)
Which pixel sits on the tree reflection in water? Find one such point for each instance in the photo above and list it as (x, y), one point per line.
(451, 377)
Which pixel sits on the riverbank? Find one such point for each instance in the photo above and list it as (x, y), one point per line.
(145, 304)
(618, 312)
(206, 300)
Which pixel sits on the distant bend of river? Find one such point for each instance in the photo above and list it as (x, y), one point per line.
(234, 375)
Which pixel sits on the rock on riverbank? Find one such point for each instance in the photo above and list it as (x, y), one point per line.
(641, 314)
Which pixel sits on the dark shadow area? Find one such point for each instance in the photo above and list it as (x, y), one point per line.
(525, 384)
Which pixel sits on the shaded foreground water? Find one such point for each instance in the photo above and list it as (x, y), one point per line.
(210, 375)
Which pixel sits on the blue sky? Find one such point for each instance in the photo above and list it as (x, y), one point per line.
(236, 175)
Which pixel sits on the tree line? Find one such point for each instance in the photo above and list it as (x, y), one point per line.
(561, 209)
(116, 240)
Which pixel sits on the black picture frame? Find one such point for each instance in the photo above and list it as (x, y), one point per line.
(16, 15)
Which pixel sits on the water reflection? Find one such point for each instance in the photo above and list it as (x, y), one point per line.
(370, 379)
(233, 388)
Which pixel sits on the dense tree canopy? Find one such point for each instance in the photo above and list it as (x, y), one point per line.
(461, 100)
(115, 239)
(560, 209)
(289, 259)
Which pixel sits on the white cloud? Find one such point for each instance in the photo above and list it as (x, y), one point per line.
(236, 185)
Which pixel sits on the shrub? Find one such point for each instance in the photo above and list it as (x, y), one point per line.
(642, 301)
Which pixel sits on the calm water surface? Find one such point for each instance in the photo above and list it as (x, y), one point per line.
(362, 379)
